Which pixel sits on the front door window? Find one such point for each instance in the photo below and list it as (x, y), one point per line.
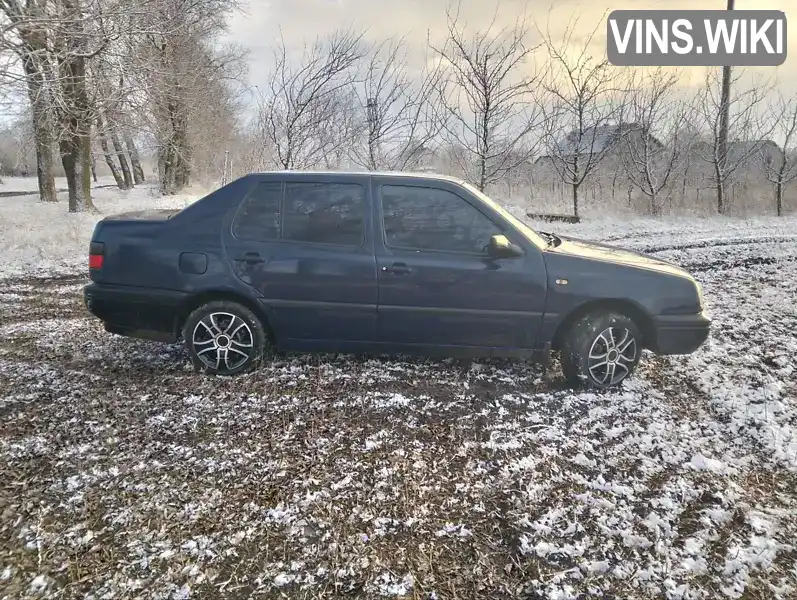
(418, 218)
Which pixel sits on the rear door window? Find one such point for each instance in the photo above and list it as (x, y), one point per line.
(258, 219)
(324, 213)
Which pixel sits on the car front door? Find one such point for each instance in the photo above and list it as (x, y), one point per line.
(306, 247)
(438, 286)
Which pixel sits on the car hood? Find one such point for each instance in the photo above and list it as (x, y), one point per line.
(611, 254)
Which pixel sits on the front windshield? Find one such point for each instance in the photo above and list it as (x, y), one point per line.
(534, 237)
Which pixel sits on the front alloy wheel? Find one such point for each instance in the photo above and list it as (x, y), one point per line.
(601, 350)
(224, 338)
(611, 356)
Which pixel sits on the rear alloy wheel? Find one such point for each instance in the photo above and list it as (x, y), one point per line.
(224, 338)
(601, 350)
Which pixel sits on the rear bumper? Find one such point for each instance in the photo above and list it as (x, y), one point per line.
(681, 334)
(134, 311)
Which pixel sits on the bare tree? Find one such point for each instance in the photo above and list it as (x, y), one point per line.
(304, 96)
(691, 137)
(654, 113)
(175, 52)
(17, 145)
(397, 113)
(26, 34)
(489, 104)
(127, 174)
(583, 96)
(74, 34)
(214, 122)
(106, 152)
(340, 129)
(728, 152)
(161, 52)
(132, 151)
(135, 159)
(105, 103)
(112, 104)
(721, 153)
(72, 51)
(781, 169)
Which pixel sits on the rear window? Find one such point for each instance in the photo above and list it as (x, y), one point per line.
(259, 217)
(324, 213)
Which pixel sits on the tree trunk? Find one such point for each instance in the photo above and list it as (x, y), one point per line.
(167, 169)
(84, 156)
(117, 176)
(163, 170)
(75, 149)
(70, 159)
(482, 173)
(577, 181)
(135, 161)
(614, 184)
(720, 197)
(182, 151)
(93, 167)
(779, 198)
(76, 117)
(722, 139)
(120, 155)
(43, 136)
(720, 177)
(175, 156)
(75, 156)
(655, 210)
(575, 200)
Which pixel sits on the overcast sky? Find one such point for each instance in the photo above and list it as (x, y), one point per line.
(302, 20)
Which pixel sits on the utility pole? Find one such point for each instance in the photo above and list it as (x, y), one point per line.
(722, 138)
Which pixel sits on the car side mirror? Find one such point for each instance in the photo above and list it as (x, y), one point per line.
(501, 247)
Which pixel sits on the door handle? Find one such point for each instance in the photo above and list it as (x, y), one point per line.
(397, 269)
(251, 258)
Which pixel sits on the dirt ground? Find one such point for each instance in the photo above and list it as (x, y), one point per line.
(124, 474)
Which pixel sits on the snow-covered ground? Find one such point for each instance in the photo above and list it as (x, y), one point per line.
(125, 474)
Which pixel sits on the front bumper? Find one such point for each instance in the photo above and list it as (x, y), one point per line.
(680, 334)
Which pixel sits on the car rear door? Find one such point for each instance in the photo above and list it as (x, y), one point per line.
(437, 284)
(306, 246)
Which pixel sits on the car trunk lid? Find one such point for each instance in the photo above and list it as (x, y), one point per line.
(150, 214)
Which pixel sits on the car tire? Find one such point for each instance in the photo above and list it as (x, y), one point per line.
(601, 350)
(224, 338)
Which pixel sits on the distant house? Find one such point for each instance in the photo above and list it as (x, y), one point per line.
(419, 158)
(758, 151)
(741, 154)
(603, 141)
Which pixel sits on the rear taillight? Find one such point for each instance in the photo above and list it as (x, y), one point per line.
(96, 255)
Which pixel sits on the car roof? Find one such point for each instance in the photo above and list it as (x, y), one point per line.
(389, 174)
